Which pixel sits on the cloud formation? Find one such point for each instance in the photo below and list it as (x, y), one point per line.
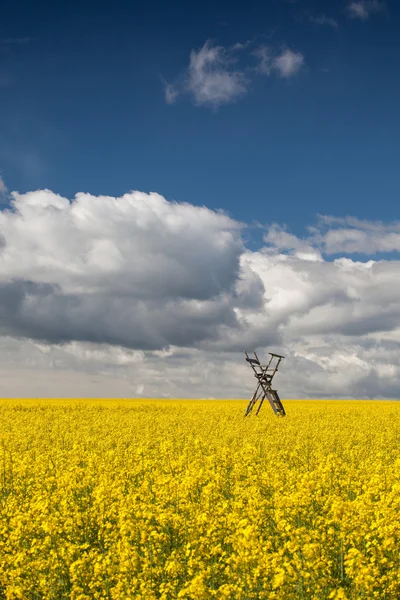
(215, 76)
(363, 9)
(340, 235)
(149, 297)
(211, 78)
(118, 270)
(286, 64)
(171, 93)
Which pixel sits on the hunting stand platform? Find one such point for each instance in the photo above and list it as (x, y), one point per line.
(264, 376)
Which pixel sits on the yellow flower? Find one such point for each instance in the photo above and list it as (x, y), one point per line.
(180, 499)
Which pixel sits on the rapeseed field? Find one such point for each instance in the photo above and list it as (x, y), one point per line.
(151, 500)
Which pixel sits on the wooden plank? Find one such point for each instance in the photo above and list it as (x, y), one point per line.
(253, 361)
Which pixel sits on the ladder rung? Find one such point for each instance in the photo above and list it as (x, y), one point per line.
(254, 361)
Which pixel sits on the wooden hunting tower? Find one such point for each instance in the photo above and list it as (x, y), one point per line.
(264, 376)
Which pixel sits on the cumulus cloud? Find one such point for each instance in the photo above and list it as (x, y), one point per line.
(332, 316)
(137, 270)
(137, 295)
(363, 9)
(214, 78)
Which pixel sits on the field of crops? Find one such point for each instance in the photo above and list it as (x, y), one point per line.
(187, 499)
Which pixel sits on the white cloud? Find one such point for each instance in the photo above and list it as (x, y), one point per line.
(333, 235)
(140, 296)
(363, 9)
(171, 93)
(288, 63)
(117, 270)
(350, 235)
(281, 240)
(211, 78)
(285, 64)
(324, 20)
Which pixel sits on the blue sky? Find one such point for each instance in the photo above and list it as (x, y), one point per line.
(83, 106)
(284, 114)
